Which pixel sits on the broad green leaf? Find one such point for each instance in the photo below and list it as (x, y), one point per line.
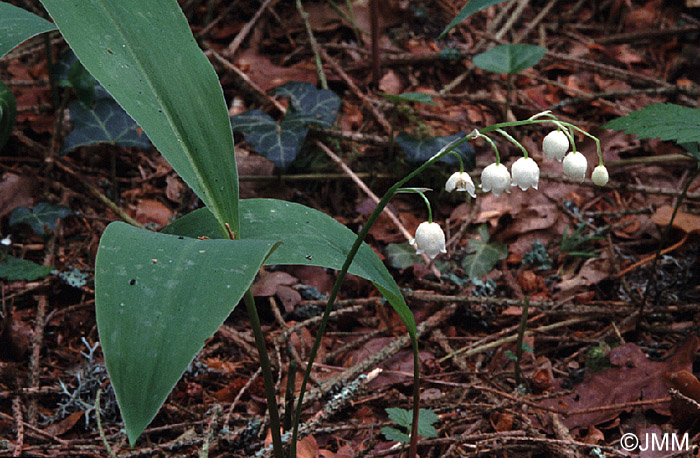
(401, 255)
(321, 105)
(107, 122)
(17, 25)
(663, 120)
(419, 150)
(470, 8)
(12, 268)
(509, 58)
(393, 434)
(279, 143)
(43, 215)
(143, 53)
(420, 97)
(483, 255)
(312, 238)
(8, 113)
(158, 298)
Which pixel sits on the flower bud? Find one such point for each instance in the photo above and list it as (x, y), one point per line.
(460, 181)
(525, 173)
(495, 178)
(600, 175)
(555, 145)
(575, 166)
(429, 239)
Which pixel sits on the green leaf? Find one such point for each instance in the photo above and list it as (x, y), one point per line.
(44, 215)
(144, 55)
(107, 122)
(401, 417)
(470, 8)
(509, 58)
(313, 238)
(69, 72)
(404, 418)
(17, 25)
(8, 113)
(663, 120)
(419, 150)
(420, 97)
(320, 105)
(485, 255)
(401, 255)
(393, 434)
(279, 143)
(12, 268)
(158, 298)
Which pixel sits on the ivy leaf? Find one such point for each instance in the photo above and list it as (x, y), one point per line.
(401, 255)
(663, 120)
(44, 215)
(279, 143)
(393, 434)
(470, 8)
(485, 255)
(12, 269)
(419, 150)
(69, 72)
(420, 97)
(107, 122)
(8, 113)
(319, 106)
(509, 58)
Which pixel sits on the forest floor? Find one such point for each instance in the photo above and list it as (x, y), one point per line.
(612, 343)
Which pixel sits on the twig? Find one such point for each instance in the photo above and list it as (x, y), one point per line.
(646, 34)
(469, 351)
(651, 257)
(355, 90)
(99, 195)
(360, 184)
(314, 45)
(233, 47)
(17, 412)
(98, 415)
(229, 66)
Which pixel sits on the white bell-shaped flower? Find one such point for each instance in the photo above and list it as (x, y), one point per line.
(460, 181)
(525, 173)
(555, 145)
(575, 166)
(600, 175)
(429, 239)
(495, 178)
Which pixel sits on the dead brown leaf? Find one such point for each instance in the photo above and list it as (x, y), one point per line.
(267, 75)
(632, 377)
(64, 425)
(153, 211)
(686, 222)
(15, 191)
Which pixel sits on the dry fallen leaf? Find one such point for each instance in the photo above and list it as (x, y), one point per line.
(684, 221)
(153, 211)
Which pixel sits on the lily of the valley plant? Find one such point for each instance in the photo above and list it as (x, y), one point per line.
(160, 296)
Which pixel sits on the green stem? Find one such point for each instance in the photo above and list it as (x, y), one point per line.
(336, 288)
(459, 158)
(519, 342)
(652, 271)
(493, 145)
(512, 140)
(509, 85)
(249, 301)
